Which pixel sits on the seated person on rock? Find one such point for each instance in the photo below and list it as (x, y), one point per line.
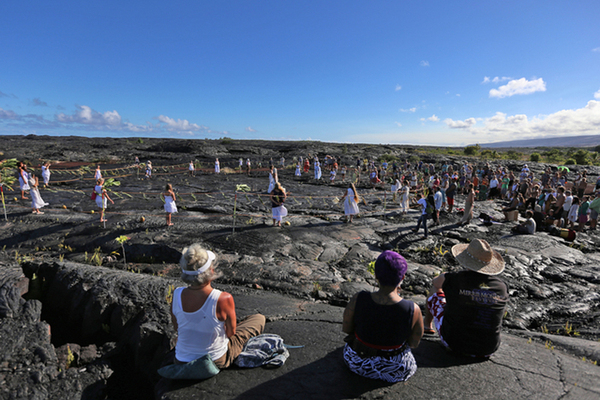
(527, 227)
(205, 318)
(467, 307)
(382, 327)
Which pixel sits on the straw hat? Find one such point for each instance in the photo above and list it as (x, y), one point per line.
(478, 256)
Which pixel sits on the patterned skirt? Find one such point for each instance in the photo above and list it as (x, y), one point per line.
(397, 368)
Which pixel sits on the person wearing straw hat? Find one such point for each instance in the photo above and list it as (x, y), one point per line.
(204, 318)
(467, 307)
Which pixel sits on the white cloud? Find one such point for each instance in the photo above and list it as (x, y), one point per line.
(398, 87)
(424, 63)
(581, 121)
(597, 49)
(85, 115)
(597, 95)
(250, 129)
(457, 94)
(179, 125)
(519, 86)
(433, 118)
(467, 123)
(8, 114)
(399, 124)
(411, 110)
(486, 79)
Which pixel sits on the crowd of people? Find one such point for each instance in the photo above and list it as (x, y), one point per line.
(465, 309)
(553, 198)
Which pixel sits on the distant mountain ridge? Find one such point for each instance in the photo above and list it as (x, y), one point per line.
(563, 141)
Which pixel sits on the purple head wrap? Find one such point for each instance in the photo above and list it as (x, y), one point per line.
(390, 268)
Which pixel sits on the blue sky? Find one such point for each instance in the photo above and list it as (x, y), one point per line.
(426, 72)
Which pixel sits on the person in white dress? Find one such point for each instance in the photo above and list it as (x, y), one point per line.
(405, 197)
(332, 175)
(217, 166)
(98, 173)
(23, 179)
(317, 170)
(351, 200)
(102, 198)
(278, 196)
(36, 199)
(192, 169)
(298, 169)
(272, 179)
(395, 188)
(149, 169)
(170, 206)
(46, 173)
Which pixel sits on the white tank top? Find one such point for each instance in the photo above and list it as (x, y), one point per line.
(199, 332)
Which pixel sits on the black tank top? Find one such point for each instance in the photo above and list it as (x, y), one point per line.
(382, 325)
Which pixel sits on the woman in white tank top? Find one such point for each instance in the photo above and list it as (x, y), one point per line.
(204, 317)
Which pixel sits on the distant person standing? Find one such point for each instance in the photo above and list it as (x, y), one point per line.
(273, 179)
(217, 166)
(98, 173)
(282, 162)
(248, 165)
(469, 203)
(102, 198)
(278, 197)
(149, 169)
(306, 165)
(317, 170)
(351, 201)
(170, 205)
(424, 204)
(36, 199)
(192, 169)
(46, 173)
(298, 169)
(23, 179)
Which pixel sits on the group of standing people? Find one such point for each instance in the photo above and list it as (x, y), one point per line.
(30, 182)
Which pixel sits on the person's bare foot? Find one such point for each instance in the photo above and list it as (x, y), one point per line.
(169, 224)
(103, 220)
(24, 198)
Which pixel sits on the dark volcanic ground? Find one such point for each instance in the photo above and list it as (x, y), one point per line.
(555, 285)
(553, 281)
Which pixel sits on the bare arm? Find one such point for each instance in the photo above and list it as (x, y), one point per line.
(173, 318)
(437, 284)
(226, 312)
(348, 321)
(417, 328)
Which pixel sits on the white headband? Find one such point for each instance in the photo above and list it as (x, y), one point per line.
(204, 268)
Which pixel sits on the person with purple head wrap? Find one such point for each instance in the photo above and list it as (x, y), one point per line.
(382, 327)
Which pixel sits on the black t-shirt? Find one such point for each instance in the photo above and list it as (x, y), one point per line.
(382, 325)
(475, 305)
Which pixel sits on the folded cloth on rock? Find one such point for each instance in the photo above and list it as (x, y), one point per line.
(263, 350)
(200, 368)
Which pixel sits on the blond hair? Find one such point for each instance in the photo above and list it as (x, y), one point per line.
(193, 258)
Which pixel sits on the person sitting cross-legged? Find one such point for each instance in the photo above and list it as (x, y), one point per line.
(467, 307)
(382, 327)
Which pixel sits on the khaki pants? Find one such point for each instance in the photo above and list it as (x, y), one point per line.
(249, 327)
